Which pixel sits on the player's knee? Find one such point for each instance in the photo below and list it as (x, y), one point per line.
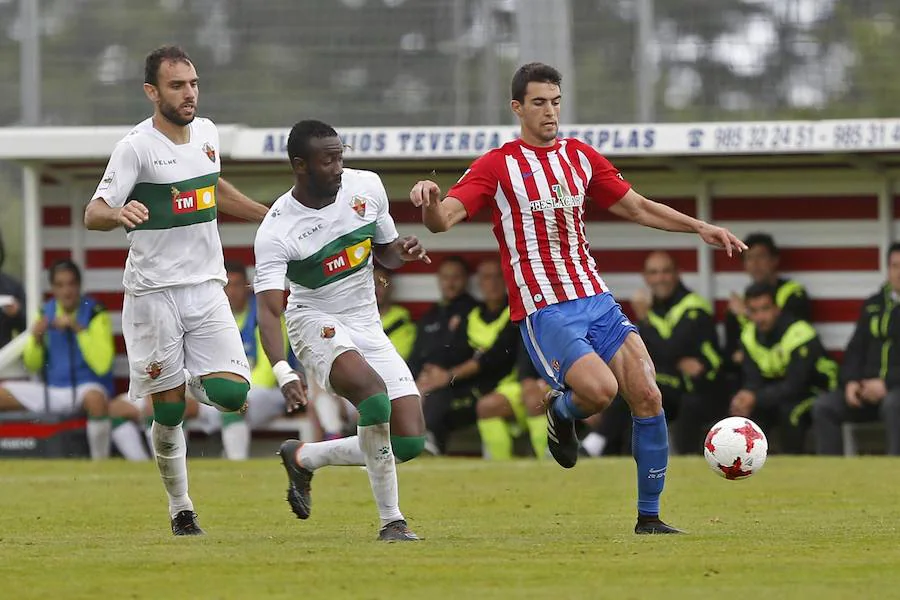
(492, 405)
(407, 447)
(227, 395)
(600, 392)
(170, 414)
(374, 410)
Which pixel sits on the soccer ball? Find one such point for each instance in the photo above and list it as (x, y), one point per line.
(735, 448)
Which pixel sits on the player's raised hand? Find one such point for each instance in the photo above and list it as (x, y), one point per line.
(294, 395)
(411, 249)
(721, 238)
(133, 214)
(425, 193)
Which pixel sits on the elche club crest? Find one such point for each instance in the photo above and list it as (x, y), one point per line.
(358, 203)
(210, 151)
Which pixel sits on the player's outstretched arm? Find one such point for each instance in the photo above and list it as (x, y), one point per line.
(269, 308)
(100, 216)
(232, 202)
(438, 215)
(634, 207)
(402, 250)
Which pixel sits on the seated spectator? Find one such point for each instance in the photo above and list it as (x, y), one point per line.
(785, 367)
(264, 401)
(439, 325)
(761, 261)
(678, 328)
(480, 359)
(12, 304)
(395, 320)
(870, 373)
(72, 347)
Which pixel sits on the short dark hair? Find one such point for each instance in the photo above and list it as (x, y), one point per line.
(537, 72)
(762, 239)
(455, 258)
(758, 290)
(302, 132)
(895, 247)
(233, 266)
(158, 57)
(61, 265)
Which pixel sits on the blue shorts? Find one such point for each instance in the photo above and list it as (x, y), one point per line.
(558, 335)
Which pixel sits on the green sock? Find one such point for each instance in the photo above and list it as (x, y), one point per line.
(496, 438)
(537, 432)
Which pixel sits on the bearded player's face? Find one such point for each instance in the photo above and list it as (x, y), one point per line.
(539, 112)
(176, 92)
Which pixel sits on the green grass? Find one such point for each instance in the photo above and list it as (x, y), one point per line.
(801, 528)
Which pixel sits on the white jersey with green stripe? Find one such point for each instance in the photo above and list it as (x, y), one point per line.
(326, 253)
(179, 244)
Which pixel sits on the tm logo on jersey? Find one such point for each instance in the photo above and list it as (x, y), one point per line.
(561, 199)
(193, 200)
(347, 259)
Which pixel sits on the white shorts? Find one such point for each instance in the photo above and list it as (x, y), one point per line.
(30, 394)
(318, 338)
(178, 328)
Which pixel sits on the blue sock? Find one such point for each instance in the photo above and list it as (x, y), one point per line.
(565, 408)
(650, 447)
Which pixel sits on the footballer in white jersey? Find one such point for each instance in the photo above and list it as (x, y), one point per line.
(323, 235)
(162, 185)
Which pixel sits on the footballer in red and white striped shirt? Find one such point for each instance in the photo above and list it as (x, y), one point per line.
(575, 332)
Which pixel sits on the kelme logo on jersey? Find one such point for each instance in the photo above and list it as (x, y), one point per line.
(346, 260)
(193, 200)
(561, 199)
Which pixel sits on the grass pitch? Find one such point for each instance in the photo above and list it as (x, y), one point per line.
(801, 528)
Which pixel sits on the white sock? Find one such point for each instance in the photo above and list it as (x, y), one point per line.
(375, 443)
(98, 432)
(127, 438)
(236, 440)
(341, 452)
(171, 458)
(328, 410)
(148, 432)
(593, 443)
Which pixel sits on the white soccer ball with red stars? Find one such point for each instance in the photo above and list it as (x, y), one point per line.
(736, 448)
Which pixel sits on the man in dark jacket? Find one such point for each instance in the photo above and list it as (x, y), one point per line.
(785, 367)
(871, 371)
(436, 328)
(480, 358)
(761, 262)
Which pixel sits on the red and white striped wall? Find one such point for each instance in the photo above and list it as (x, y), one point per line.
(832, 237)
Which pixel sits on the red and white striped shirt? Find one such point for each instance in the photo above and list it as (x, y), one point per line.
(537, 197)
